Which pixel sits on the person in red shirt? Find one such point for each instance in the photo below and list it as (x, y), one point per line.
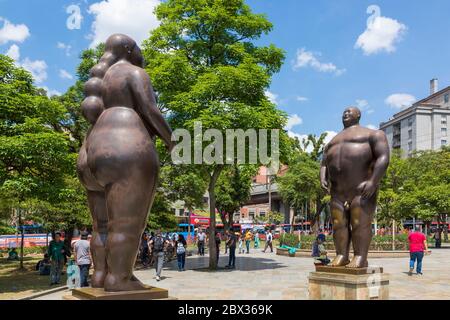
(417, 247)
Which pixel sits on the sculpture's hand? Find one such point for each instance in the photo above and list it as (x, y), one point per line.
(368, 188)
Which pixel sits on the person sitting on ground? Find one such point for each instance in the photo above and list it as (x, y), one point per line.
(44, 266)
(322, 259)
(12, 254)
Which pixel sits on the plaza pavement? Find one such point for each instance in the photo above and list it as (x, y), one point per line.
(268, 276)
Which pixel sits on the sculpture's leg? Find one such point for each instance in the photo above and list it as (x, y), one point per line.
(97, 206)
(361, 215)
(128, 202)
(341, 233)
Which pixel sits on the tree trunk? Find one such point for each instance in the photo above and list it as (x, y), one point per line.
(393, 235)
(212, 215)
(22, 238)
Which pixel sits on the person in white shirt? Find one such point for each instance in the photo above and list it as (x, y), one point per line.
(201, 239)
(269, 238)
(82, 253)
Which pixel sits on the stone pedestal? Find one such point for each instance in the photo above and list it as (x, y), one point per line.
(150, 293)
(340, 283)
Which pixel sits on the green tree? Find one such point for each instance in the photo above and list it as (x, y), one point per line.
(34, 155)
(206, 68)
(301, 184)
(233, 190)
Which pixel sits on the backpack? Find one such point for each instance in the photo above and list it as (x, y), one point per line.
(180, 248)
(158, 244)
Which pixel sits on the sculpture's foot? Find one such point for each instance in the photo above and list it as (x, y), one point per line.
(357, 262)
(98, 279)
(112, 283)
(339, 261)
(133, 278)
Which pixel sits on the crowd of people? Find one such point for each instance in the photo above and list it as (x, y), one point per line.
(157, 248)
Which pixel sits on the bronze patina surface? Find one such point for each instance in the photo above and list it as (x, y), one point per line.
(118, 163)
(353, 164)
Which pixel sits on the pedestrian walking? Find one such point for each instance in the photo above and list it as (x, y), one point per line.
(417, 247)
(248, 239)
(241, 243)
(256, 244)
(180, 246)
(82, 251)
(218, 240)
(232, 248)
(158, 245)
(56, 252)
(201, 239)
(269, 238)
(437, 238)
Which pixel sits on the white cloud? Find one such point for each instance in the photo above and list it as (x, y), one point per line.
(330, 135)
(381, 34)
(13, 32)
(364, 106)
(51, 92)
(293, 120)
(38, 68)
(64, 74)
(301, 99)
(361, 103)
(373, 127)
(273, 97)
(13, 52)
(134, 18)
(400, 100)
(65, 47)
(307, 59)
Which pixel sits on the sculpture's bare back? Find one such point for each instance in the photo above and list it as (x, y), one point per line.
(118, 163)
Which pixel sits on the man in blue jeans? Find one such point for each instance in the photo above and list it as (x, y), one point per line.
(82, 250)
(232, 247)
(417, 247)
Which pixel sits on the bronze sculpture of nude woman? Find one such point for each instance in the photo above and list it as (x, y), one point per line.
(118, 163)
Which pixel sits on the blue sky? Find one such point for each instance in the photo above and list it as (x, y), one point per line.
(400, 49)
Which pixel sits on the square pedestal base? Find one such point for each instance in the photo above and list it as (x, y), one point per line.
(150, 293)
(340, 283)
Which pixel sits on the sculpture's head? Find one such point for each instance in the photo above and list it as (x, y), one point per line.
(351, 116)
(123, 47)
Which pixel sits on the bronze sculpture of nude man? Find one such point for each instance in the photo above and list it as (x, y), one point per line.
(118, 163)
(354, 162)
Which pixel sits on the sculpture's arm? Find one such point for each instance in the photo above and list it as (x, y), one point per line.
(324, 172)
(143, 94)
(380, 150)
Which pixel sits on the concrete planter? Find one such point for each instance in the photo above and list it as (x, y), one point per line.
(304, 253)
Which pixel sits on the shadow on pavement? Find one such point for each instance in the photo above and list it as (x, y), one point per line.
(243, 263)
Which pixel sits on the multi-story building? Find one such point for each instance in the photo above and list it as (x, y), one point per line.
(423, 126)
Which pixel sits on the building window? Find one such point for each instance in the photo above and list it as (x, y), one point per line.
(262, 214)
(443, 142)
(410, 121)
(446, 98)
(443, 132)
(444, 119)
(410, 134)
(252, 216)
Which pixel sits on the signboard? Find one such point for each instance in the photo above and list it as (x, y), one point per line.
(30, 240)
(199, 220)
